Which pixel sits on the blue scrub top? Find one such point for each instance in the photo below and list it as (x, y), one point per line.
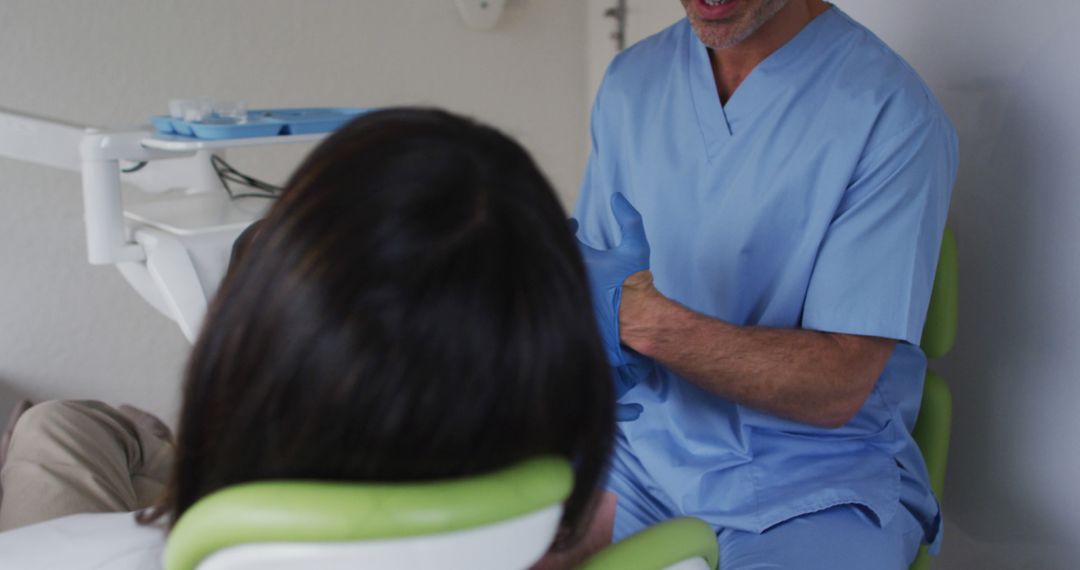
(815, 198)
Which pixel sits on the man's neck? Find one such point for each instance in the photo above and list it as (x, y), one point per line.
(731, 65)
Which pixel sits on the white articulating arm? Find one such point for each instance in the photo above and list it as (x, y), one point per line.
(101, 152)
(177, 282)
(172, 252)
(153, 262)
(48, 142)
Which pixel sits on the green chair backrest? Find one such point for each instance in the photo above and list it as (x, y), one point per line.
(932, 429)
(939, 332)
(322, 511)
(933, 426)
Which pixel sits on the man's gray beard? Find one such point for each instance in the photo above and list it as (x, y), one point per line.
(764, 13)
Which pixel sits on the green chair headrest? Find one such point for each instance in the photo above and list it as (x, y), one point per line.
(939, 332)
(334, 511)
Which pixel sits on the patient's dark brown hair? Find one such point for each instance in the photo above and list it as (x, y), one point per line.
(414, 307)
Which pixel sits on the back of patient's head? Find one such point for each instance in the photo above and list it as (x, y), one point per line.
(413, 307)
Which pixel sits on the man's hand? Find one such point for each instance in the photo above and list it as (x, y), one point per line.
(607, 269)
(807, 376)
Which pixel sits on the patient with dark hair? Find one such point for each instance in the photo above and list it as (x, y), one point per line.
(412, 308)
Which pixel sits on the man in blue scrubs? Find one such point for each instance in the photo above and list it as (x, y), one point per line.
(792, 175)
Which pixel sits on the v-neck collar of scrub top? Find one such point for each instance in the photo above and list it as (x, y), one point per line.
(716, 120)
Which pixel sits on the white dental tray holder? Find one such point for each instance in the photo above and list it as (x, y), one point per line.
(173, 252)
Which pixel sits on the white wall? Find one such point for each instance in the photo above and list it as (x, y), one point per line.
(1007, 74)
(71, 330)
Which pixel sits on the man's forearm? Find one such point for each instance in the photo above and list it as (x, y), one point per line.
(808, 376)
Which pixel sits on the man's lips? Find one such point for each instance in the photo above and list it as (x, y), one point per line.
(717, 11)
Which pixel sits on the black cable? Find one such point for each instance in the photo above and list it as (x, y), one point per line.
(229, 175)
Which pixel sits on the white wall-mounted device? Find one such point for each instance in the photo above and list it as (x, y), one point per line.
(481, 14)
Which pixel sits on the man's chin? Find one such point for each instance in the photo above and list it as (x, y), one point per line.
(717, 35)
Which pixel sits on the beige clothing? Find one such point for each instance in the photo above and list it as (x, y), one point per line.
(69, 457)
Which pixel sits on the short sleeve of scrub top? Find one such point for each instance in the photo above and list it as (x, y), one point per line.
(883, 241)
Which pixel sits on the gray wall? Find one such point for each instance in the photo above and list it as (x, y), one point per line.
(71, 330)
(1008, 77)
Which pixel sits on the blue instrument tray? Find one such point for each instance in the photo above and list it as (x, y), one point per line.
(261, 123)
